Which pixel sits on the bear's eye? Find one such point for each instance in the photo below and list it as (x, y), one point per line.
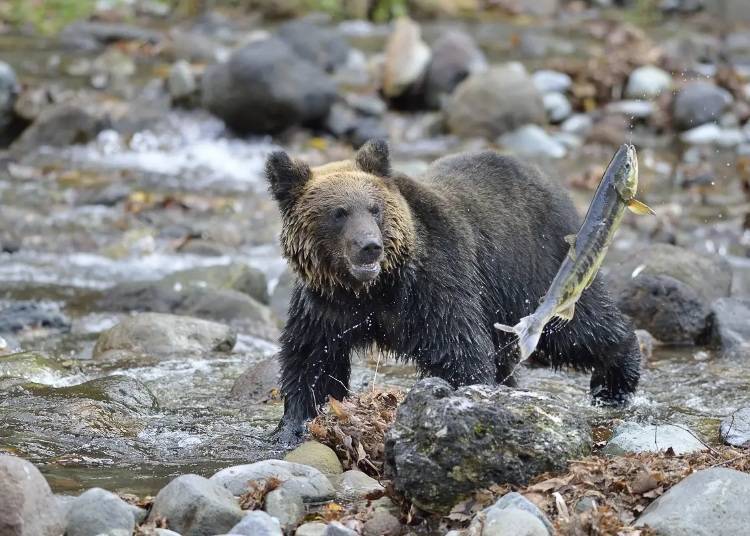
(375, 210)
(339, 214)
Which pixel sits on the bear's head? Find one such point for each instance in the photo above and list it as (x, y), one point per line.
(343, 224)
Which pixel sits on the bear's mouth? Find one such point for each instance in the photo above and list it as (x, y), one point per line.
(365, 272)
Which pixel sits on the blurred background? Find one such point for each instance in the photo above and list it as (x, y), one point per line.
(133, 136)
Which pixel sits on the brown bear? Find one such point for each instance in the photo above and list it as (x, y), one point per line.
(423, 268)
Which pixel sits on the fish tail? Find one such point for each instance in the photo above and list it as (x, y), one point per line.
(528, 330)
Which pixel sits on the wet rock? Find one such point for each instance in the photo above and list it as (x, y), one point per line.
(252, 95)
(322, 46)
(282, 293)
(735, 429)
(647, 82)
(729, 327)
(308, 482)
(382, 523)
(234, 276)
(557, 106)
(311, 529)
(286, 506)
(196, 506)
(532, 140)
(455, 55)
(60, 126)
(548, 81)
(258, 382)
(316, 455)
(406, 58)
(97, 511)
(16, 316)
(89, 35)
(708, 502)
(355, 484)
(446, 443)
(516, 501)
(257, 523)
(335, 528)
(31, 366)
(181, 82)
(155, 334)
(28, 507)
(494, 102)
(632, 437)
(122, 390)
(698, 103)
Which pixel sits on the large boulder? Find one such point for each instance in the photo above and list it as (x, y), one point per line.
(455, 55)
(160, 334)
(711, 502)
(406, 59)
(668, 290)
(98, 511)
(28, 507)
(196, 506)
(265, 87)
(730, 329)
(698, 103)
(444, 443)
(493, 102)
(322, 46)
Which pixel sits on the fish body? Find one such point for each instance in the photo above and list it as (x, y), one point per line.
(615, 193)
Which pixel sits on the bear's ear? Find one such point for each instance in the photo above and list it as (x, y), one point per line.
(374, 157)
(285, 176)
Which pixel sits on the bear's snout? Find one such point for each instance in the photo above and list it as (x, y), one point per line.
(364, 251)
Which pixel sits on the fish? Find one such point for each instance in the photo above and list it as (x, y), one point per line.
(616, 193)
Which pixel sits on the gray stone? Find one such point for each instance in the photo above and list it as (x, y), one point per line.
(444, 443)
(647, 82)
(702, 135)
(735, 429)
(578, 124)
(257, 523)
(9, 91)
(711, 502)
(382, 523)
(313, 528)
(548, 81)
(729, 327)
(235, 276)
(557, 106)
(286, 506)
(406, 58)
(308, 482)
(161, 334)
(317, 455)
(196, 506)
(532, 140)
(90, 34)
(519, 502)
(258, 382)
(512, 522)
(166, 532)
(455, 55)
(31, 366)
(98, 511)
(493, 102)
(60, 126)
(20, 315)
(699, 102)
(28, 507)
(253, 95)
(355, 484)
(181, 81)
(334, 528)
(633, 109)
(630, 437)
(323, 46)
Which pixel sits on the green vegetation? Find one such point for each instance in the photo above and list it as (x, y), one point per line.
(48, 16)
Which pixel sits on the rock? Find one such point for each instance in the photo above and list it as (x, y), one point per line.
(282, 293)
(9, 91)
(702, 135)
(536, 44)
(491, 103)
(548, 81)
(532, 140)
(155, 334)
(28, 507)
(710, 502)
(117, 388)
(60, 126)
(98, 511)
(196, 506)
(253, 95)
(89, 35)
(346, 123)
(257, 523)
(516, 501)
(406, 58)
(455, 55)
(699, 102)
(445, 443)
(286, 506)
(317, 455)
(355, 484)
(557, 106)
(320, 45)
(258, 382)
(735, 429)
(633, 109)
(311, 529)
(647, 82)
(181, 82)
(630, 437)
(308, 482)
(512, 522)
(234, 276)
(165, 532)
(578, 124)
(16, 316)
(382, 523)
(335, 528)
(365, 104)
(729, 327)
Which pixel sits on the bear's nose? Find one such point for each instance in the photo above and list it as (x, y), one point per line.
(370, 250)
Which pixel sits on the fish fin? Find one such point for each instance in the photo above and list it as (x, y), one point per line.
(528, 330)
(639, 208)
(567, 314)
(571, 239)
